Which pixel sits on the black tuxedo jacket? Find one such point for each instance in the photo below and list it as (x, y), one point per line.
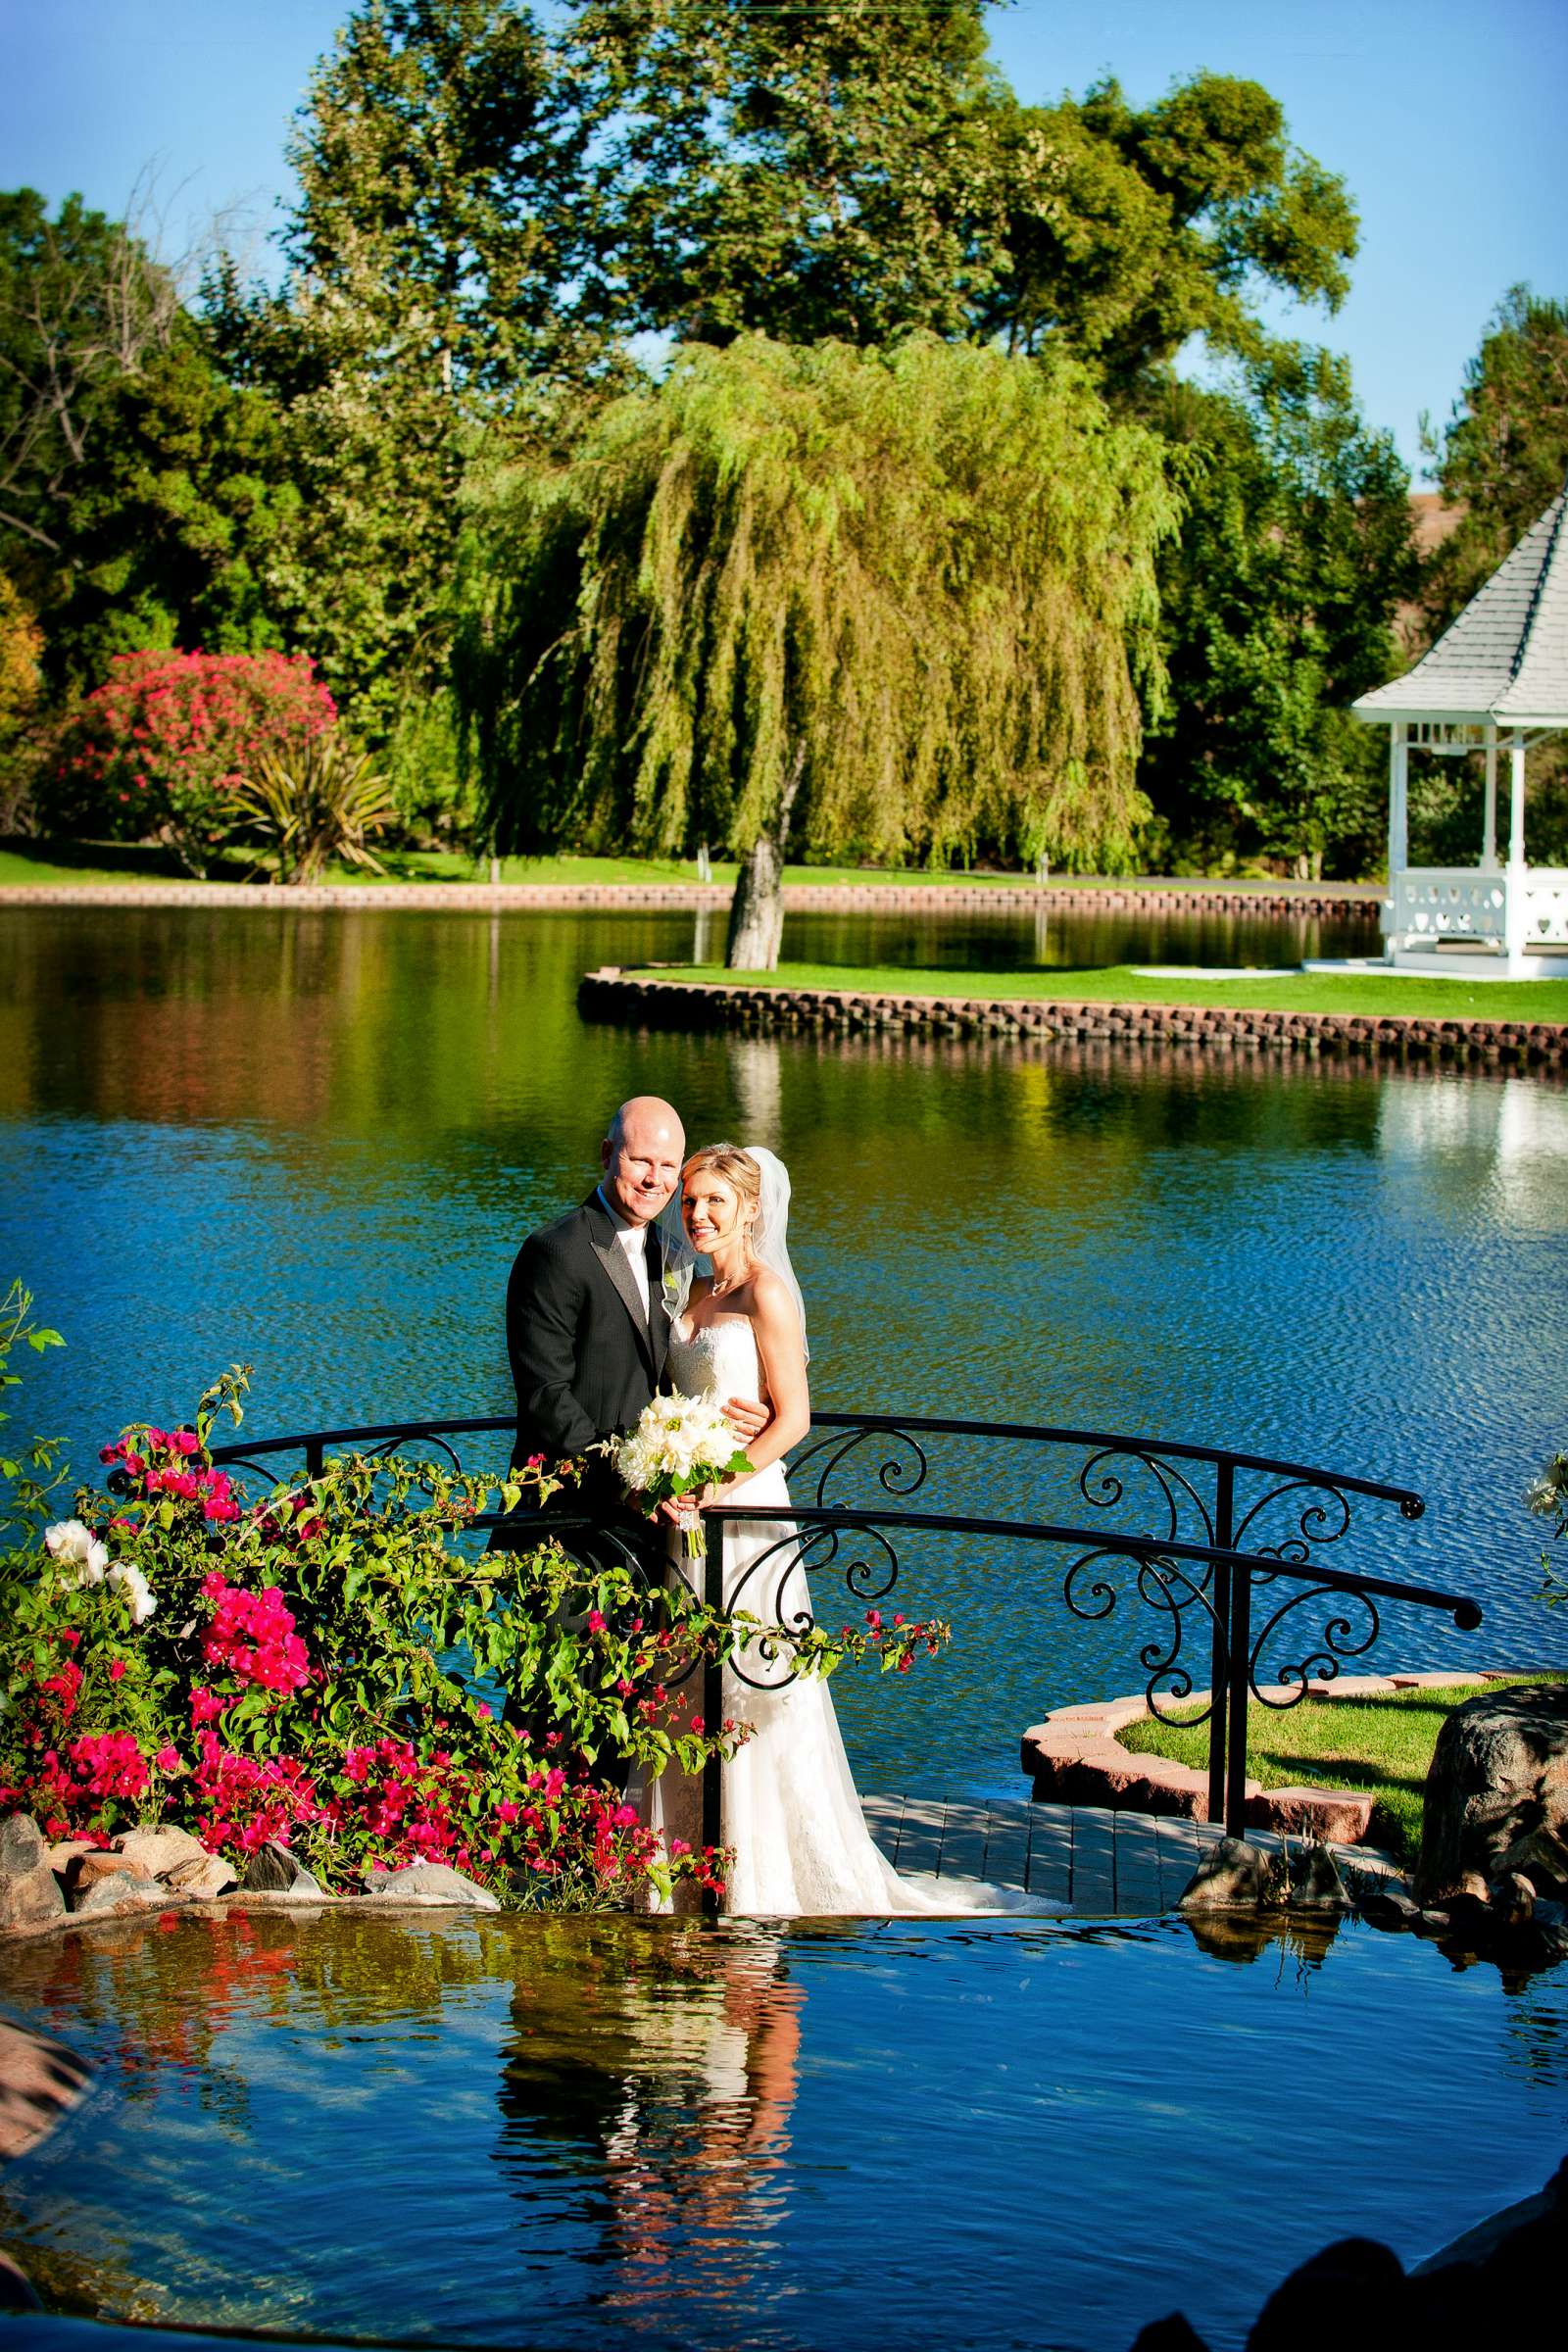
(584, 1360)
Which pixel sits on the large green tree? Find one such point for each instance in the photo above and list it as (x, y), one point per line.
(1501, 460)
(1503, 454)
(1278, 606)
(427, 305)
(804, 173)
(140, 490)
(1129, 230)
(888, 603)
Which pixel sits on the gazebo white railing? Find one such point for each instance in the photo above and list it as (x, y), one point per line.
(1496, 680)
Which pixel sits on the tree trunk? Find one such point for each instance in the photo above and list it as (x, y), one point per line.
(757, 910)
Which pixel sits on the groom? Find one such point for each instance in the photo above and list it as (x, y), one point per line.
(587, 1325)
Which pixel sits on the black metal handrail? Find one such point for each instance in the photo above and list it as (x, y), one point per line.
(1208, 1572)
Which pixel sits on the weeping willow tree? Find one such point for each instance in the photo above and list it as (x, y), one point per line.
(885, 603)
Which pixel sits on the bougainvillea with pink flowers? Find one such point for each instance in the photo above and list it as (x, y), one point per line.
(158, 750)
(337, 1667)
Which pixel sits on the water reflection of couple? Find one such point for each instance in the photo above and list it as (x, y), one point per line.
(606, 1306)
(673, 2063)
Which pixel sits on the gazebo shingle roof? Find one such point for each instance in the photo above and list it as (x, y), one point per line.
(1506, 659)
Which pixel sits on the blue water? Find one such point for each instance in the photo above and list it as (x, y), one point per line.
(313, 1143)
(583, 2134)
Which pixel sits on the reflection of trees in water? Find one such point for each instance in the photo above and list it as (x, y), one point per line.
(154, 1994)
(662, 2062)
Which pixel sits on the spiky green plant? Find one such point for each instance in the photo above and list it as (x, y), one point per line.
(315, 802)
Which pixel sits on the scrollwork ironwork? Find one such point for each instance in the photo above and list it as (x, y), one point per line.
(1320, 1661)
(1166, 1585)
(1104, 1488)
(1314, 1527)
(896, 1476)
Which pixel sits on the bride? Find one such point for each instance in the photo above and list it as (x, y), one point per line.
(790, 1811)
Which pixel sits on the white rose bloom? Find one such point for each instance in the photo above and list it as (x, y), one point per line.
(68, 1540)
(140, 1594)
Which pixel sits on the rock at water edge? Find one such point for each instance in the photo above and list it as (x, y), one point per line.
(30, 1892)
(1315, 1883)
(156, 1852)
(1497, 1795)
(433, 1883)
(202, 1878)
(1232, 1876)
(273, 1870)
(40, 2080)
(121, 1896)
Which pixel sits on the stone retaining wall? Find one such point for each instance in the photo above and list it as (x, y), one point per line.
(611, 995)
(1075, 1757)
(1349, 899)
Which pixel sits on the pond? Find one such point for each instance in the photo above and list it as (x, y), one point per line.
(312, 1143)
(583, 2132)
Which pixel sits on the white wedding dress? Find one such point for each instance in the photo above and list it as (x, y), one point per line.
(790, 1811)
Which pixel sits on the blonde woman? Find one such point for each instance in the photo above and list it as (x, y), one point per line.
(791, 1811)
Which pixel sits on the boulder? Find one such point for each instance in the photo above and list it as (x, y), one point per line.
(274, 1870)
(155, 1852)
(433, 1883)
(30, 1892)
(120, 1896)
(40, 2080)
(93, 1863)
(201, 1879)
(1354, 2291)
(22, 1847)
(1232, 1876)
(1390, 1905)
(1315, 1882)
(1497, 1795)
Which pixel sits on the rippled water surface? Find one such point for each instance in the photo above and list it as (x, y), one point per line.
(313, 1143)
(582, 2134)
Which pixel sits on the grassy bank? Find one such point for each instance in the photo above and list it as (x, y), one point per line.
(1384, 1745)
(1359, 993)
(57, 863)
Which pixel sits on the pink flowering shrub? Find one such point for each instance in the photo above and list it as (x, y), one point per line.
(324, 1668)
(158, 749)
(335, 1667)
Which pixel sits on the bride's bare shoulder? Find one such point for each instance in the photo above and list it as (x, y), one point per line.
(772, 1300)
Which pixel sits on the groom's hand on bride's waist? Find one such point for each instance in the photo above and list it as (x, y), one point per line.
(746, 1417)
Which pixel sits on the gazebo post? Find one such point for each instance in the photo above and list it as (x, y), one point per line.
(1516, 881)
(1488, 838)
(1398, 827)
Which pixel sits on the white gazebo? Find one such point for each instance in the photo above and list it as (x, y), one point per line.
(1496, 680)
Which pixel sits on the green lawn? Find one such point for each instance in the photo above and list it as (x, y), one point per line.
(55, 863)
(1384, 1745)
(1370, 993)
(60, 862)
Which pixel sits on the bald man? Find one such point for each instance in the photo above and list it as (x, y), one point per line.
(587, 1332)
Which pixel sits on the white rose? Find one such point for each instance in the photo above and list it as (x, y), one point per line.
(140, 1594)
(68, 1540)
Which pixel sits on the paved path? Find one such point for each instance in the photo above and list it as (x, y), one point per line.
(1099, 1861)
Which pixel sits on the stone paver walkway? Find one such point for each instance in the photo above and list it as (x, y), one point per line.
(1134, 1864)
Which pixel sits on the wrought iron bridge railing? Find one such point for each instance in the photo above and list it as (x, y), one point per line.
(1225, 1551)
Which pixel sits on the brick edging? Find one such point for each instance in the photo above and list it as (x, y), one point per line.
(1076, 1757)
(1349, 899)
(612, 994)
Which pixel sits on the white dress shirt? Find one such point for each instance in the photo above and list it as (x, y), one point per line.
(633, 1238)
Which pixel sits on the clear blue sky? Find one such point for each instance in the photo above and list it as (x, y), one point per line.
(1446, 117)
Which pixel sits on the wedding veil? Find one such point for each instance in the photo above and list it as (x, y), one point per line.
(770, 1238)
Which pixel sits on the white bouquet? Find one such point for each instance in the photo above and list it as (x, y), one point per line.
(679, 1446)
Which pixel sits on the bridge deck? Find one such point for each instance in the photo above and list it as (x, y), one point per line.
(1101, 1862)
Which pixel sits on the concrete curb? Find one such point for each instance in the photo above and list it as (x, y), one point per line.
(611, 995)
(1075, 1757)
